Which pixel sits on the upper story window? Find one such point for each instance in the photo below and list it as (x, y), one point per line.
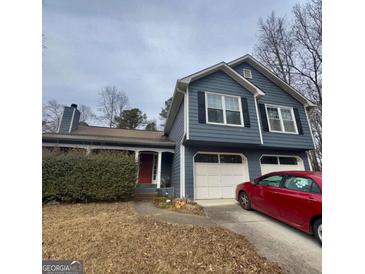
(281, 119)
(223, 109)
(247, 73)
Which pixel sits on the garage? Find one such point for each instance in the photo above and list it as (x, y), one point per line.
(271, 163)
(217, 174)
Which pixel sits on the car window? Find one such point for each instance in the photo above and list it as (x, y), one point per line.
(274, 181)
(298, 183)
(315, 188)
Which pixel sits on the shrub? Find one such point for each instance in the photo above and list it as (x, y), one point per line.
(77, 177)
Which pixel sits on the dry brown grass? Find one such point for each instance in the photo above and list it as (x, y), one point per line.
(112, 238)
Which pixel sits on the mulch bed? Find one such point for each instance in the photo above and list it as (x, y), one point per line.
(112, 238)
(179, 205)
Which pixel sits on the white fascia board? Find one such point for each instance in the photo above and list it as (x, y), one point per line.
(230, 72)
(176, 101)
(260, 67)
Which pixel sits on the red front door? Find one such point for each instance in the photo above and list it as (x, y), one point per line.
(145, 168)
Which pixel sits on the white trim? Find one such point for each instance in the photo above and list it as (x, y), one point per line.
(310, 125)
(258, 120)
(281, 119)
(182, 171)
(228, 70)
(159, 162)
(187, 114)
(243, 156)
(223, 101)
(139, 149)
(72, 120)
(59, 126)
(309, 162)
(265, 71)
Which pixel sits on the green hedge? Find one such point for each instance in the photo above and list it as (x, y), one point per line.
(77, 177)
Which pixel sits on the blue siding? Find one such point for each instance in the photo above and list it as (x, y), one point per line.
(221, 83)
(253, 158)
(275, 95)
(177, 135)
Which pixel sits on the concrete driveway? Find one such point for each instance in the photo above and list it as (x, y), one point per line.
(295, 251)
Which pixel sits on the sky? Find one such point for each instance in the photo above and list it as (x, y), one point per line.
(142, 46)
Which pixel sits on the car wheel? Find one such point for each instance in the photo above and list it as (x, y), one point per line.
(317, 229)
(245, 201)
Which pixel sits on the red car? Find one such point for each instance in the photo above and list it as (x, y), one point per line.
(293, 197)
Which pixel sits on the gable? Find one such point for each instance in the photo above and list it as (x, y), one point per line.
(219, 82)
(248, 59)
(273, 93)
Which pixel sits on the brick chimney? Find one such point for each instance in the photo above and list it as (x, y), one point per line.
(70, 119)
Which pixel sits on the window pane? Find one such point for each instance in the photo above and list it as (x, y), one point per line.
(315, 188)
(288, 160)
(289, 126)
(232, 103)
(298, 183)
(273, 113)
(228, 159)
(271, 181)
(233, 117)
(206, 158)
(215, 115)
(214, 101)
(269, 160)
(275, 124)
(286, 114)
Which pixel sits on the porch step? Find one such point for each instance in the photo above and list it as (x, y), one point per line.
(144, 196)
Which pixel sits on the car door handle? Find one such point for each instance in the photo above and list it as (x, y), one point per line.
(311, 198)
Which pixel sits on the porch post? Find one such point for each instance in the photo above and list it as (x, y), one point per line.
(158, 179)
(136, 157)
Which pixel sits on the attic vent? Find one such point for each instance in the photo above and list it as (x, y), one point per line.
(247, 73)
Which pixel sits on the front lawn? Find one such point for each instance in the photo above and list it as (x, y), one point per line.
(112, 238)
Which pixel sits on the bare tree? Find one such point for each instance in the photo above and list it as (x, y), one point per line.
(51, 116)
(87, 116)
(293, 51)
(111, 104)
(275, 46)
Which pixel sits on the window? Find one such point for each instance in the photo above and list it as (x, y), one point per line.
(279, 160)
(247, 73)
(206, 158)
(215, 108)
(269, 160)
(273, 181)
(281, 119)
(315, 188)
(288, 160)
(298, 183)
(230, 159)
(223, 109)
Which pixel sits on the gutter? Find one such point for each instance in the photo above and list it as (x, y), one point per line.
(129, 141)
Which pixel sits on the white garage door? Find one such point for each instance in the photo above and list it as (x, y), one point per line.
(217, 175)
(271, 163)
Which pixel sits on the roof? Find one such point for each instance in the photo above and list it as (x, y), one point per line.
(114, 135)
(183, 83)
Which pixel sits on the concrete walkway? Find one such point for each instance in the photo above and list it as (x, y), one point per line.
(147, 208)
(294, 250)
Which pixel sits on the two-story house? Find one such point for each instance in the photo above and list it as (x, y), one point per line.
(227, 124)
